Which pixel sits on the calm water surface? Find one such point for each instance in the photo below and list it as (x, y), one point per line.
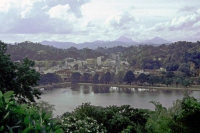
(67, 99)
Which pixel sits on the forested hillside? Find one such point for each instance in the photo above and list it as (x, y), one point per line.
(175, 56)
(171, 57)
(36, 51)
(115, 49)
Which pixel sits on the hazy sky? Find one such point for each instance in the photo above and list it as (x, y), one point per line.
(89, 20)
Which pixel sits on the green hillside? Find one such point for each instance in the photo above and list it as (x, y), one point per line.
(170, 56)
(36, 51)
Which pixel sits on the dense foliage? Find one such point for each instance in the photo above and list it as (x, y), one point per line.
(183, 117)
(168, 56)
(49, 78)
(115, 49)
(36, 51)
(18, 77)
(112, 119)
(168, 78)
(129, 77)
(23, 118)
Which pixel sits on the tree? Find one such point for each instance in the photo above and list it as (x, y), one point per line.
(49, 78)
(18, 77)
(95, 78)
(152, 79)
(172, 66)
(75, 77)
(185, 68)
(120, 76)
(187, 118)
(142, 78)
(18, 118)
(169, 74)
(186, 83)
(168, 81)
(107, 77)
(86, 77)
(115, 119)
(112, 77)
(129, 77)
(182, 117)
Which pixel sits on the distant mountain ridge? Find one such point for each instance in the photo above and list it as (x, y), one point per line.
(63, 45)
(156, 40)
(125, 40)
(121, 41)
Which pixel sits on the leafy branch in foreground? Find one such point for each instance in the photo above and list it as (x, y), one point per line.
(18, 77)
(182, 117)
(24, 118)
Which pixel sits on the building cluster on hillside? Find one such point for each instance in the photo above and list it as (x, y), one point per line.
(100, 66)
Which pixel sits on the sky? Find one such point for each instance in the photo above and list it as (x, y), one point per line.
(90, 20)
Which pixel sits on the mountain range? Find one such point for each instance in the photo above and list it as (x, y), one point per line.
(121, 41)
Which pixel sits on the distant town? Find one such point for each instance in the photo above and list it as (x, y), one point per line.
(93, 66)
(176, 64)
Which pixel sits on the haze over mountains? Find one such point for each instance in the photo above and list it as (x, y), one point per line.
(122, 41)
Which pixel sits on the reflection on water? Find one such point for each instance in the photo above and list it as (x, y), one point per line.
(86, 89)
(100, 89)
(68, 98)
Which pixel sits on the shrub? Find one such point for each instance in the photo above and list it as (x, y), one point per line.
(24, 118)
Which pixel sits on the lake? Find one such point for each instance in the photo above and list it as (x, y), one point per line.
(70, 97)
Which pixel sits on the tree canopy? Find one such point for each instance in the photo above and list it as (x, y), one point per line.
(18, 77)
(129, 77)
(49, 78)
(75, 77)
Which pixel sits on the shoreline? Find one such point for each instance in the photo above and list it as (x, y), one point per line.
(192, 88)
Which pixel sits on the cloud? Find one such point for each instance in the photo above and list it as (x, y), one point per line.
(186, 9)
(88, 20)
(74, 5)
(40, 16)
(189, 22)
(25, 12)
(121, 20)
(59, 11)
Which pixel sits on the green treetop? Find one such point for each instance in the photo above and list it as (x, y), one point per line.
(129, 77)
(18, 77)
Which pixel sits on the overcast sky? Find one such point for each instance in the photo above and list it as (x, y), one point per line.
(90, 20)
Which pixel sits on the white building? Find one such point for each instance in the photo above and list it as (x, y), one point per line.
(99, 61)
(161, 69)
(138, 72)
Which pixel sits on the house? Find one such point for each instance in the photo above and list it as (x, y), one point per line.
(161, 70)
(138, 72)
(109, 62)
(124, 63)
(90, 61)
(192, 66)
(64, 74)
(99, 61)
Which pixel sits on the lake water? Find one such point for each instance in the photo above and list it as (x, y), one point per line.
(70, 97)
